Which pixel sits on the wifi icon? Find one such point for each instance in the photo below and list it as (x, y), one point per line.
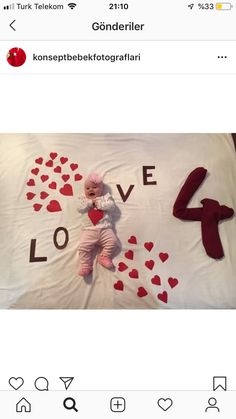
(72, 5)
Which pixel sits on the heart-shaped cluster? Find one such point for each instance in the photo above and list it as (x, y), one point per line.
(134, 273)
(51, 178)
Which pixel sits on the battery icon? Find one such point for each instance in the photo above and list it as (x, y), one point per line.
(224, 6)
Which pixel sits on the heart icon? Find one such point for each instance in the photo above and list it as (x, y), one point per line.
(129, 254)
(49, 163)
(37, 207)
(53, 206)
(63, 160)
(16, 383)
(65, 177)
(43, 195)
(165, 404)
(163, 297)
(122, 267)
(95, 215)
(67, 190)
(173, 282)
(52, 185)
(30, 195)
(119, 286)
(53, 155)
(149, 264)
(141, 292)
(73, 166)
(163, 256)
(132, 240)
(78, 177)
(57, 169)
(44, 178)
(133, 274)
(148, 246)
(35, 171)
(31, 182)
(156, 280)
(39, 160)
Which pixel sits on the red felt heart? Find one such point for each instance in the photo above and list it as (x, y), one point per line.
(95, 215)
(49, 163)
(122, 267)
(53, 155)
(35, 171)
(67, 190)
(31, 182)
(30, 195)
(53, 206)
(63, 160)
(52, 185)
(163, 297)
(43, 195)
(65, 177)
(39, 160)
(129, 254)
(173, 282)
(37, 207)
(163, 256)
(73, 166)
(156, 280)
(57, 169)
(149, 264)
(133, 274)
(119, 286)
(132, 240)
(78, 177)
(148, 246)
(141, 292)
(44, 178)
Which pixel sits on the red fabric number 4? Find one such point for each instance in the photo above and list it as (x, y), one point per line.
(209, 214)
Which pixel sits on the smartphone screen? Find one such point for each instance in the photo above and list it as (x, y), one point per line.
(118, 201)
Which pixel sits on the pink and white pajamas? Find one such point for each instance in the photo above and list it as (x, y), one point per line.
(104, 237)
(96, 233)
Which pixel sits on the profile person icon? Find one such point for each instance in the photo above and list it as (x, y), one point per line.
(212, 405)
(16, 57)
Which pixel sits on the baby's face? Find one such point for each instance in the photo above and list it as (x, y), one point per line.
(92, 190)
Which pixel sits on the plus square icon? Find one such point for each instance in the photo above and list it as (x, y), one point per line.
(117, 404)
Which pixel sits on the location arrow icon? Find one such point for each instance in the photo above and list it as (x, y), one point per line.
(67, 381)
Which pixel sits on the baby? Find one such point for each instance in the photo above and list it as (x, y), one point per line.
(97, 225)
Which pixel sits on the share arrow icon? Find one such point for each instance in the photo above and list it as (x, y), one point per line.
(67, 381)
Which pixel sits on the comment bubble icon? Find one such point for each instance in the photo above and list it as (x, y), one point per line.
(41, 384)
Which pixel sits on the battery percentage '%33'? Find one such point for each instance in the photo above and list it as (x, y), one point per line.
(211, 6)
(202, 6)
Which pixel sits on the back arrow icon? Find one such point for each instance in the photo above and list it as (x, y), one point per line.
(12, 24)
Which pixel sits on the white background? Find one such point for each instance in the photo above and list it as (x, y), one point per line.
(122, 350)
(113, 104)
(128, 349)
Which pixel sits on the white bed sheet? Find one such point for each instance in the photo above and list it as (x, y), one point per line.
(188, 278)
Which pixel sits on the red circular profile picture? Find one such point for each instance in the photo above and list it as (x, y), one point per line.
(16, 57)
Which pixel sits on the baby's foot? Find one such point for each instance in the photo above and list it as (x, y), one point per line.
(106, 262)
(84, 271)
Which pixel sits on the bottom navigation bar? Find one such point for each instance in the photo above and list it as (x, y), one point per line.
(130, 404)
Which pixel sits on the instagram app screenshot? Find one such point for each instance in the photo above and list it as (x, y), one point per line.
(118, 202)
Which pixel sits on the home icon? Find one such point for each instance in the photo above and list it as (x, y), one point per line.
(23, 406)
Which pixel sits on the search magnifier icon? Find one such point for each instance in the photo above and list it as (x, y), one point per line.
(70, 404)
